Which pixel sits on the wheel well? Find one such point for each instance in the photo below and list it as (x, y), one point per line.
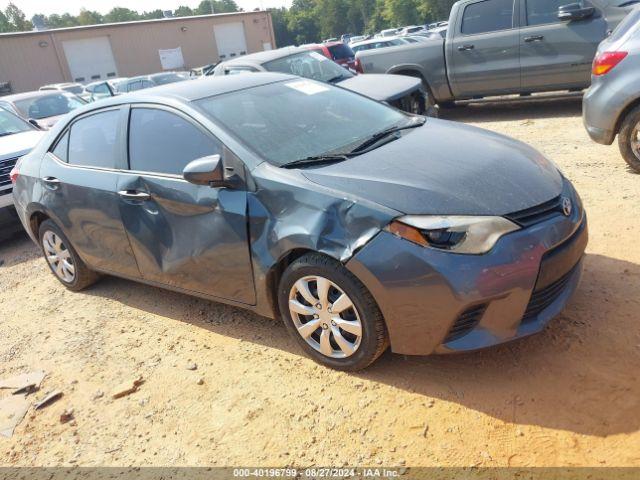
(35, 221)
(416, 74)
(624, 114)
(275, 274)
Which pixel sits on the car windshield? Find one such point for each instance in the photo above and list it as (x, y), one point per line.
(10, 124)
(297, 119)
(166, 78)
(48, 106)
(309, 65)
(75, 89)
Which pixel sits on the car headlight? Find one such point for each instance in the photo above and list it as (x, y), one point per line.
(458, 234)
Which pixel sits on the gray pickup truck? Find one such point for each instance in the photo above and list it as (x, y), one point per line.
(500, 47)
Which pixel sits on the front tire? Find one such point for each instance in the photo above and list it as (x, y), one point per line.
(331, 314)
(63, 260)
(629, 139)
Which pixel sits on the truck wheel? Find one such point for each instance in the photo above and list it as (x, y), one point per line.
(331, 314)
(629, 139)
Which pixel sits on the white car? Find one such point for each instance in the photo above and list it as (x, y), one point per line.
(75, 88)
(17, 138)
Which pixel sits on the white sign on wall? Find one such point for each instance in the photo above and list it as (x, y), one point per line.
(171, 59)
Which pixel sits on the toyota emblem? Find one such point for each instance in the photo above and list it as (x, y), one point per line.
(566, 206)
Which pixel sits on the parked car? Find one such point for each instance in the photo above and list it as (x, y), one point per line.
(339, 52)
(42, 108)
(375, 43)
(402, 92)
(357, 224)
(357, 38)
(17, 138)
(101, 89)
(148, 81)
(75, 88)
(412, 30)
(498, 47)
(389, 32)
(611, 106)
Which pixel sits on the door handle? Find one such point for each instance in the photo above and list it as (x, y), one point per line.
(134, 195)
(52, 183)
(464, 48)
(534, 38)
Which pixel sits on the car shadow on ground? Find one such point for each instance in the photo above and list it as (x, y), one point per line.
(503, 111)
(580, 374)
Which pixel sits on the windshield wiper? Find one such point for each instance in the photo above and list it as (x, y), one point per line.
(376, 137)
(316, 160)
(337, 78)
(4, 134)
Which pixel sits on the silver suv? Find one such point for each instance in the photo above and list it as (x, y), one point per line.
(611, 106)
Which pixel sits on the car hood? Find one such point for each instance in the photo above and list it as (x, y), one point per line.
(446, 168)
(19, 144)
(382, 87)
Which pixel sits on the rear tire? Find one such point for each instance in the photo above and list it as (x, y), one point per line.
(64, 262)
(349, 332)
(628, 139)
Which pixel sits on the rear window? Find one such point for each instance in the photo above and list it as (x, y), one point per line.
(487, 16)
(341, 51)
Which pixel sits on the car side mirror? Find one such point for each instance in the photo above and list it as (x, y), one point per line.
(205, 171)
(575, 11)
(34, 122)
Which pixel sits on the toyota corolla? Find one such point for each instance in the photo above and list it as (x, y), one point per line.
(361, 226)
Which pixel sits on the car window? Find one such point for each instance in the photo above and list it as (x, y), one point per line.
(397, 42)
(50, 105)
(238, 70)
(410, 40)
(101, 88)
(309, 65)
(162, 142)
(296, 119)
(540, 12)
(93, 140)
(340, 51)
(487, 16)
(135, 85)
(61, 150)
(75, 89)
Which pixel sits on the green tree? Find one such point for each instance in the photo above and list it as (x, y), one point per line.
(183, 11)
(5, 25)
(89, 17)
(17, 18)
(121, 14)
(153, 14)
(279, 19)
(401, 12)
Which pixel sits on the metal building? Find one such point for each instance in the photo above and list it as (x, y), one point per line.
(84, 54)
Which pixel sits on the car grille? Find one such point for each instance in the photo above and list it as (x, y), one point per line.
(544, 297)
(530, 216)
(466, 322)
(5, 169)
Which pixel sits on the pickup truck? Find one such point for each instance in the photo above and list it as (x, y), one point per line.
(502, 47)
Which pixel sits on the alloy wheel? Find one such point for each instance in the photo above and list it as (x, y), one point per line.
(635, 140)
(58, 256)
(325, 317)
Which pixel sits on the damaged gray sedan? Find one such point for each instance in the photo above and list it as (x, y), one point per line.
(359, 225)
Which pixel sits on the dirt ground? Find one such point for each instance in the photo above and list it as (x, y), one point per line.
(567, 397)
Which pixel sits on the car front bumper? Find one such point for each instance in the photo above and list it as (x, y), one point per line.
(9, 220)
(439, 302)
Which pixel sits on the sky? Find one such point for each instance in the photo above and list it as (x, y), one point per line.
(47, 7)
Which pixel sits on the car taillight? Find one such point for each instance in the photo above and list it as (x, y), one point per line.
(13, 175)
(605, 62)
(358, 66)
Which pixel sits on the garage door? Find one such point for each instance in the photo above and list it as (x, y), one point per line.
(230, 40)
(90, 59)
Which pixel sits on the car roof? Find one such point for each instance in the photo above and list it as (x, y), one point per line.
(263, 57)
(36, 93)
(376, 40)
(189, 91)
